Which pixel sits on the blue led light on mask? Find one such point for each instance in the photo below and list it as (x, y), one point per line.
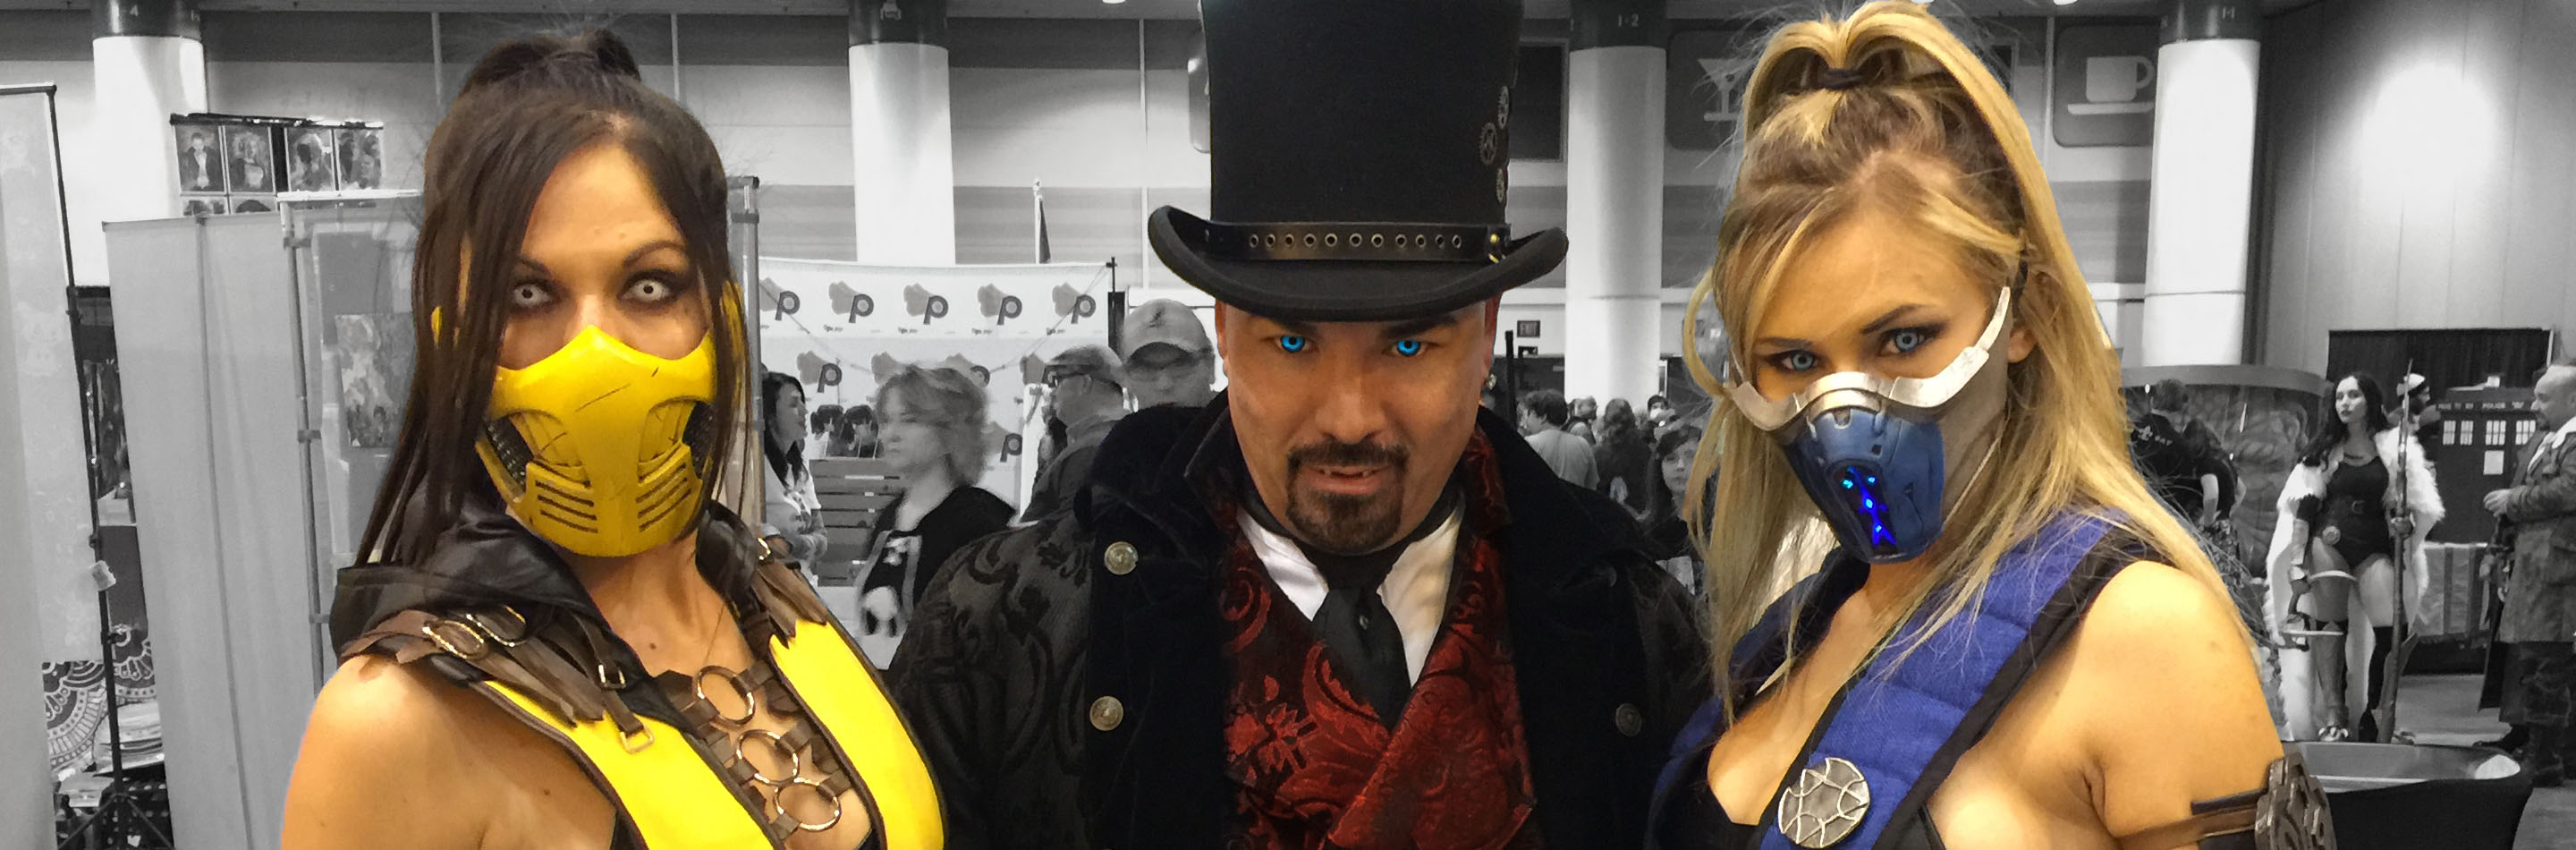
(1876, 476)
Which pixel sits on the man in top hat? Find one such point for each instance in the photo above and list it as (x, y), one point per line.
(1083, 392)
(1339, 606)
(1169, 362)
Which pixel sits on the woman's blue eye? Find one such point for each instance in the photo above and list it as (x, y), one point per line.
(1906, 340)
(1292, 343)
(1795, 361)
(1408, 347)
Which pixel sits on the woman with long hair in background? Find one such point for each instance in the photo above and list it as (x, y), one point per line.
(791, 516)
(1625, 457)
(557, 634)
(2361, 498)
(2013, 644)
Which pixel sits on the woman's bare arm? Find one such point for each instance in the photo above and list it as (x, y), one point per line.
(380, 765)
(2175, 708)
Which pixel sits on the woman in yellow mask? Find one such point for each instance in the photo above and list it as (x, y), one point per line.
(559, 637)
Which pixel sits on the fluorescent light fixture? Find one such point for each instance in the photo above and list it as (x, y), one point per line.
(2066, 2)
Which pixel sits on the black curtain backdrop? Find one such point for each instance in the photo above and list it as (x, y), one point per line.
(2449, 358)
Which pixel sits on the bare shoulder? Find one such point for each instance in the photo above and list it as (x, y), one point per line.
(381, 762)
(2172, 704)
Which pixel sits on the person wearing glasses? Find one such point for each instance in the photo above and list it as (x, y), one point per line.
(1168, 360)
(1083, 393)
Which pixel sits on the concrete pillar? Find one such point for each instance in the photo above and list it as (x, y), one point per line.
(148, 64)
(903, 171)
(2200, 204)
(1614, 199)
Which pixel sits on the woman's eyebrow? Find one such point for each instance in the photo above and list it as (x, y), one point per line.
(648, 248)
(1891, 317)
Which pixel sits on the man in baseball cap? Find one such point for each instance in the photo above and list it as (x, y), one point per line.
(1083, 394)
(1169, 362)
(1339, 605)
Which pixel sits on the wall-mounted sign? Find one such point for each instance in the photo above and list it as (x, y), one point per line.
(1705, 71)
(1704, 77)
(1528, 328)
(2105, 94)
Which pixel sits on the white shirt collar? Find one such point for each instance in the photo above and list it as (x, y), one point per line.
(1415, 592)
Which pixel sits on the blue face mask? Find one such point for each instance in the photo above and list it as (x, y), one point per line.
(1878, 455)
(1878, 477)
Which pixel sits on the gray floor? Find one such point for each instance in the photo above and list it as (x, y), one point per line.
(2443, 710)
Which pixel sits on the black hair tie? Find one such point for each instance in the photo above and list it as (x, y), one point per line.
(1838, 79)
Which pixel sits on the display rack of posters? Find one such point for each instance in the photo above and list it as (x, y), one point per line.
(238, 163)
(835, 326)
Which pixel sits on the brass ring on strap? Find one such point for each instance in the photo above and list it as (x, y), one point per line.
(795, 761)
(778, 805)
(516, 634)
(458, 638)
(609, 675)
(750, 697)
(628, 739)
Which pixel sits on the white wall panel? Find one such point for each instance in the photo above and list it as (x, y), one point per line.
(2421, 171)
(204, 328)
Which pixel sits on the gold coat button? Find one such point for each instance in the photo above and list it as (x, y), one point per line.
(1121, 558)
(1107, 713)
(1629, 719)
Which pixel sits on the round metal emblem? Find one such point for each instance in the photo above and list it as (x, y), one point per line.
(1629, 720)
(1120, 558)
(1107, 713)
(1826, 805)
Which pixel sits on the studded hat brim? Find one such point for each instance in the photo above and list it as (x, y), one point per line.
(1346, 290)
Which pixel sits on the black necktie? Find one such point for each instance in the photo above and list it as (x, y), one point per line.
(1362, 634)
(1354, 623)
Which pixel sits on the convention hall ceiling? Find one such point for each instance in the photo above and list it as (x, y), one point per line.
(1130, 9)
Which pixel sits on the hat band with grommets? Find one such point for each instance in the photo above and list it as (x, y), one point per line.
(1364, 240)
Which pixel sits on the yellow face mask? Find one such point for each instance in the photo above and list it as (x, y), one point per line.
(598, 447)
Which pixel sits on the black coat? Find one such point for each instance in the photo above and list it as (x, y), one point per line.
(1064, 704)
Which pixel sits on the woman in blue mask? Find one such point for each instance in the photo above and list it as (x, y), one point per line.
(2010, 644)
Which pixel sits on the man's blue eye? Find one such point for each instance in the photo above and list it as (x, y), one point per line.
(1292, 343)
(1408, 347)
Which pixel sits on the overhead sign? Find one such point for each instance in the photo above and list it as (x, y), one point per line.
(1706, 70)
(2105, 92)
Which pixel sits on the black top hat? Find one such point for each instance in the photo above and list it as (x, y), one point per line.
(1358, 155)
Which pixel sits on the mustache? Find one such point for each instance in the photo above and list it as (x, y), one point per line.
(1338, 453)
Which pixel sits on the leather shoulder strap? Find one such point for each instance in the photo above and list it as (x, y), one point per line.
(565, 671)
(2288, 813)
